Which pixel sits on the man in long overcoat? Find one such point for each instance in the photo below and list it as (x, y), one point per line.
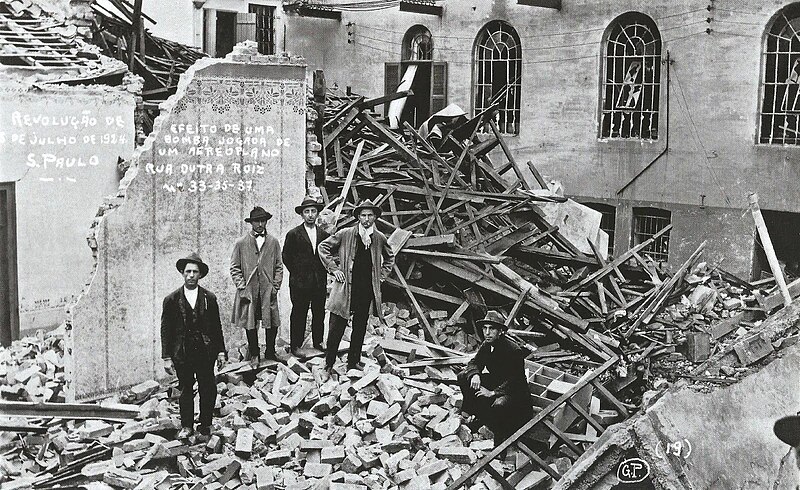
(191, 339)
(307, 275)
(500, 397)
(257, 273)
(360, 259)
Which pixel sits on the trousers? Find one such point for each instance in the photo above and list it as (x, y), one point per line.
(503, 415)
(302, 298)
(199, 366)
(359, 305)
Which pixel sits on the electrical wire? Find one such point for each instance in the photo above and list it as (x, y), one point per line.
(696, 134)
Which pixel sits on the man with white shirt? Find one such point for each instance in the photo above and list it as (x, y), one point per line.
(307, 275)
(493, 384)
(257, 273)
(360, 259)
(191, 339)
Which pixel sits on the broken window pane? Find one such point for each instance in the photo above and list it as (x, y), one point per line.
(418, 44)
(498, 74)
(646, 223)
(607, 221)
(631, 79)
(780, 105)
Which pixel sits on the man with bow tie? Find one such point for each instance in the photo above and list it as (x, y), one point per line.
(257, 273)
(307, 275)
(360, 259)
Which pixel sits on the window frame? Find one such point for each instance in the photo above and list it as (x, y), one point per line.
(788, 13)
(657, 91)
(486, 33)
(648, 212)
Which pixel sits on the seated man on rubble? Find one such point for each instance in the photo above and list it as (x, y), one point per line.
(493, 384)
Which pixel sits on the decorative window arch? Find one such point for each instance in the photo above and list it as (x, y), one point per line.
(417, 44)
(497, 63)
(779, 120)
(631, 78)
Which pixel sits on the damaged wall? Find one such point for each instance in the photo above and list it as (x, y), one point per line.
(232, 137)
(713, 92)
(60, 146)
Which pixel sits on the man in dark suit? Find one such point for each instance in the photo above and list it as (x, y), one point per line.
(307, 275)
(499, 398)
(191, 339)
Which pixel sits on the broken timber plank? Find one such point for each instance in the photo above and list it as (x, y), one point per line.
(619, 260)
(73, 411)
(421, 314)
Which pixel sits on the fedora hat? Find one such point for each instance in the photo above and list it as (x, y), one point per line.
(259, 214)
(308, 203)
(493, 319)
(788, 430)
(367, 204)
(195, 259)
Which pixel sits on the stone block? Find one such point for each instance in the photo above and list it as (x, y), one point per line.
(457, 454)
(278, 457)
(317, 470)
(393, 411)
(244, 443)
(332, 455)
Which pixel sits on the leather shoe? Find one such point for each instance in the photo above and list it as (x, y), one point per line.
(358, 365)
(204, 430)
(185, 433)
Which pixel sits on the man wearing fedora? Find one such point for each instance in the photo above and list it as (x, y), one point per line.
(307, 275)
(257, 273)
(360, 259)
(493, 384)
(191, 339)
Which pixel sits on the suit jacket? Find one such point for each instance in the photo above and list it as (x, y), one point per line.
(173, 327)
(255, 271)
(505, 361)
(305, 268)
(338, 251)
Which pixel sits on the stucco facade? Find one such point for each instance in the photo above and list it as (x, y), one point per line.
(705, 159)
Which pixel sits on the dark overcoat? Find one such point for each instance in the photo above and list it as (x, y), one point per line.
(173, 324)
(302, 261)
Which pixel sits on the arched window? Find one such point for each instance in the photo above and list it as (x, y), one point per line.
(418, 44)
(498, 73)
(631, 78)
(780, 81)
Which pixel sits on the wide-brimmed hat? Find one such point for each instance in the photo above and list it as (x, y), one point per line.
(195, 259)
(493, 319)
(258, 214)
(367, 204)
(308, 203)
(788, 430)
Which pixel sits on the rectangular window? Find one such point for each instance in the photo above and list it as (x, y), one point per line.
(265, 28)
(646, 223)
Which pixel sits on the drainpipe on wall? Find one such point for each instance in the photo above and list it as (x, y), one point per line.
(668, 61)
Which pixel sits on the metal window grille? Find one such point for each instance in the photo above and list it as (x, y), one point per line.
(607, 221)
(631, 79)
(646, 223)
(498, 74)
(780, 88)
(418, 44)
(265, 28)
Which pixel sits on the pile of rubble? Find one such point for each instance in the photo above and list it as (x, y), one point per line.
(278, 426)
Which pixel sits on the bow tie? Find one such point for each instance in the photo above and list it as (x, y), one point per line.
(259, 234)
